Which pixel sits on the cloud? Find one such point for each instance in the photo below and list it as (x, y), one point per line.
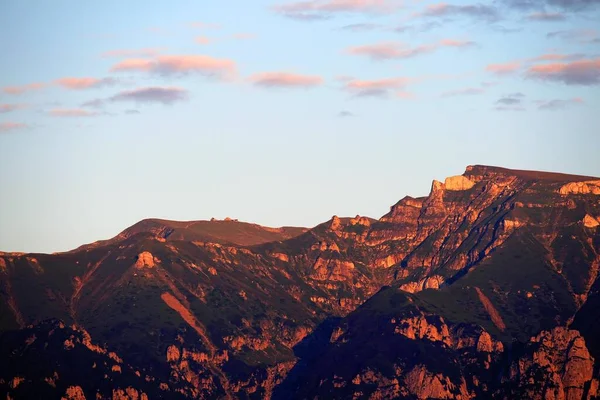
(477, 11)
(378, 88)
(6, 108)
(131, 112)
(203, 25)
(558, 104)
(504, 68)
(556, 57)
(360, 27)
(164, 95)
(182, 64)
(121, 53)
(12, 126)
(202, 40)
(566, 5)
(323, 9)
(546, 16)
(391, 50)
(577, 35)
(71, 112)
(345, 114)
(85, 83)
(23, 88)
(510, 102)
(509, 108)
(96, 103)
(285, 79)
(580, 72)
(464, 92)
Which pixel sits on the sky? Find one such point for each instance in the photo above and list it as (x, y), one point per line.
(281, 113)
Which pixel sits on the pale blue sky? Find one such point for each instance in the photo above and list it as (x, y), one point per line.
(274, 149)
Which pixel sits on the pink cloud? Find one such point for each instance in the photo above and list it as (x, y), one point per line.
(169, 65)
(581, 72)
(6, 108)
(556, 57)
(378, 87)
(204, 25)
(319, 9)
(202, 40)
(70, 112)
(392, 50)
(456, 43)
(23, 88)
(504, 68)
(84, 83)
(11, 126)
(164, 95)
(546, 16)
(286, 79)
(148, 52)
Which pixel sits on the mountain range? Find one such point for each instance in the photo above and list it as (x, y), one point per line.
(486, 288)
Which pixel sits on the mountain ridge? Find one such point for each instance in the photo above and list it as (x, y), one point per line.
(491, 256)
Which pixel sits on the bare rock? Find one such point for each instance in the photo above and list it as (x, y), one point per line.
(458, 182)
(145, 260)
(590, 222)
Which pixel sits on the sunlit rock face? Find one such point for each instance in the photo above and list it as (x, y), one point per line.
(438, 298)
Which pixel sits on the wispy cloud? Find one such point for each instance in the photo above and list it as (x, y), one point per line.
(244, 36)
(576, 35)
(122, 53)
(510, 102)
(12, 126)
(580, 72)
(285, 80)
(475, 11)
(23, 88)
(180, 64)
(504, 68)
(6, 108)
(379, 87)
(96, 103)
(360, 27)
(546, 16)
(71, 112)
(163, 95)
(132, 112)
(558, 104)
(85, 83)
(565, 5)
(393, 50)
(345, 114)
(324, 9)
(202, 40)
(203, 25)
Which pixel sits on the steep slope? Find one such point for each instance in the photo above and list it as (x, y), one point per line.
(226, 309)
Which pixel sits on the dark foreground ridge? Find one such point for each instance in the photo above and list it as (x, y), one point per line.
(486, 288)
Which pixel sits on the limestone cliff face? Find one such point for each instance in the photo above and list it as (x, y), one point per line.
(556, 365)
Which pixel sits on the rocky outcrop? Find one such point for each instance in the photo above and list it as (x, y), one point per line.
(458, 182)
(590, 222)
(556, 365)
(587, 187)
(145, 260)
(432, 282)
